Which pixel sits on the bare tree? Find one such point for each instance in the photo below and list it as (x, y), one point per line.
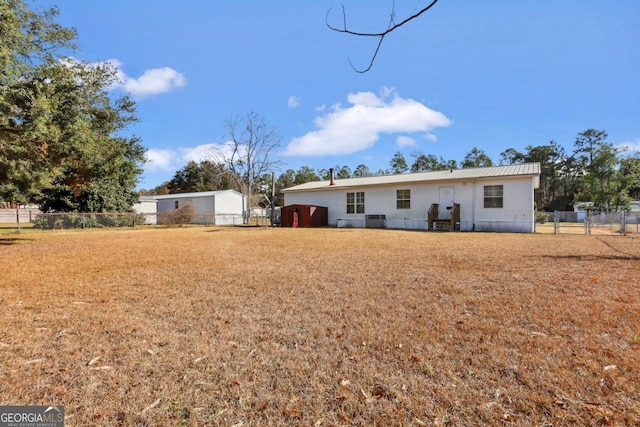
(247, 154)
(393, 25)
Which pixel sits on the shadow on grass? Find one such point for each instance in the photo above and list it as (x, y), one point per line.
(594, 257)
(6, 241)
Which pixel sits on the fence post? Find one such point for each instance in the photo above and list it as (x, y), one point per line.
(556, 223)
(623, 223)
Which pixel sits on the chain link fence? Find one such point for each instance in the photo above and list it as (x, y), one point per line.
(61, 221)
(612, 223)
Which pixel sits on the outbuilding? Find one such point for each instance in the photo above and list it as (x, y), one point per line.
(497, 199)
(223, 207)
(303, 216)
(148, 207)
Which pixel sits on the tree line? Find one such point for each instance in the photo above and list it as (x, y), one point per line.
(63, 143)
(61, 131)
(594, 172)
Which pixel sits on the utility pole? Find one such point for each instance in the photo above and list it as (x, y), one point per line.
(273, 197)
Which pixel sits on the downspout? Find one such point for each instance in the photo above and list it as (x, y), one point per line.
(533, 203)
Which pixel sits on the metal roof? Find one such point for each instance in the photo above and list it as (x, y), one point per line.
(525, 169)
(198, 194)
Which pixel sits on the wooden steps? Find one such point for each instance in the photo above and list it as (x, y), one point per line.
(443, 224)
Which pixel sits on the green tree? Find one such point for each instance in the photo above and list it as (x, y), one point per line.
(599, 161)
(30, 42)
(398, 164)
(362, 171)
(305, 174)
(342, 172)
(61, 137)
(95, 168)
(200, 176)
(430, 163)
(421, 163)
(550, 157)
(157, 190)
(511, 156)
(476, 158)
(629, 176)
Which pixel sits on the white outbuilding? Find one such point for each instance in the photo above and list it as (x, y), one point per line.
(497, 199)
(148, 207)
(223, 207)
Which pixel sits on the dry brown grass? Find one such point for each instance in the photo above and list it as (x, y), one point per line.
(254, 326)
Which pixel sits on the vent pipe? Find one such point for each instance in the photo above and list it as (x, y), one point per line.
(331, 182)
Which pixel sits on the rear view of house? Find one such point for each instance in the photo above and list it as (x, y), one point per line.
(499, 199)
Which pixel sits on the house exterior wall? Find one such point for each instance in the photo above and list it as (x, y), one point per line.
(229, 208)
(149, 208)
(219, 208)
(516, 215)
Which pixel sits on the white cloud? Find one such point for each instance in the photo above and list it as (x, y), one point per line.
(630, 146)
(294, 101)
(158, 159)
(152, 82)
(358, 127)
(321, 108)
(405, 141)
(214, 151)
(171, 160)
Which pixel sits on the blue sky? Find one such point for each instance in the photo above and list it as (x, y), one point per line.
(495, 74)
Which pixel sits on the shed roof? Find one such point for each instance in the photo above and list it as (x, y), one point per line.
(525, 169)
(191, 195)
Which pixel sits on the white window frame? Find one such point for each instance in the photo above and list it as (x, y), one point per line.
(494, 196)
(403, 199)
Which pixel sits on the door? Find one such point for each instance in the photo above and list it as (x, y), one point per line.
(446, 202)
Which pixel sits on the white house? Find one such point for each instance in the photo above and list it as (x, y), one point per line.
(486, 199)
(147, 206)
(223, 207)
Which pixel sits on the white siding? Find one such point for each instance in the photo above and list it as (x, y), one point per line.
(148, 207)
(215, 207)
(516, 216)
(517, 213)
(229, 208)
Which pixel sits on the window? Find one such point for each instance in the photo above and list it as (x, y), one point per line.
(493, 196)
(403, 199)
(355, 202)
(176, 204)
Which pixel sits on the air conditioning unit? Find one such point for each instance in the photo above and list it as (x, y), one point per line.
(375, 221)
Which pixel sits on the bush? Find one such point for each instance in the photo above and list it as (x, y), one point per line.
(175, 217)
(542, 217)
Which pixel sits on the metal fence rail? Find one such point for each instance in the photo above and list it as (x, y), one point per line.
(620, 222)
(615, 223)
(57, 221)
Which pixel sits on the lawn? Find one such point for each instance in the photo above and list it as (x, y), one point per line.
(210, 326)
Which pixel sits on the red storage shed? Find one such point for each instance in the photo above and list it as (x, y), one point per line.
(308, 215)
